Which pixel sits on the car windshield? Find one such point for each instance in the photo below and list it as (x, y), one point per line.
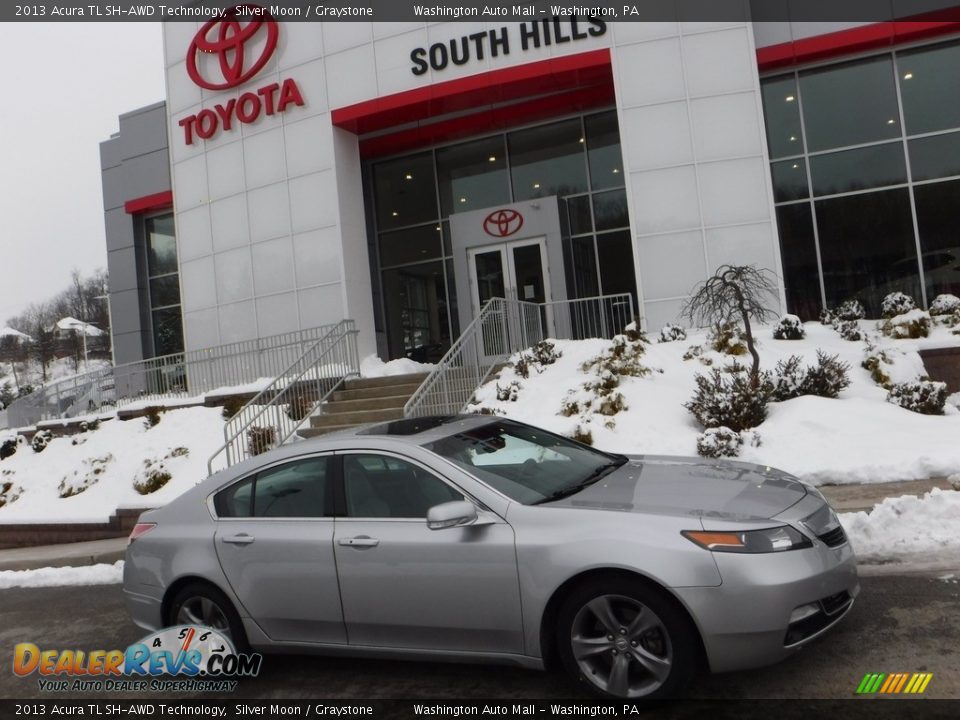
(525, 463)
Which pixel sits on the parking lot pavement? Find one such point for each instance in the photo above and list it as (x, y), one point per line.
(899, 624)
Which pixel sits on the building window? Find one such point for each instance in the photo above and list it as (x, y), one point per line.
(164, 285)
(865, 164)
(577, 159)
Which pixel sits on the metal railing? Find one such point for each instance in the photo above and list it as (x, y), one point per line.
(275, 414)
(237, 367)
(504, 327)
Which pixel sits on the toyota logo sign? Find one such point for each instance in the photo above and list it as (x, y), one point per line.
(227, 38)
(502, 223)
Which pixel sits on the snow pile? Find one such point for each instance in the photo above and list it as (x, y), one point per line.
(373, 366)
(859, 437)
(87, 477)
(906, 526)
(101, 574)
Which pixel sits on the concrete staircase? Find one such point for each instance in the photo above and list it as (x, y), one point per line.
(364, 400)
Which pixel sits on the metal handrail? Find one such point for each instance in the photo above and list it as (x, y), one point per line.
(277, 412)
(504, 327)
(186, 374)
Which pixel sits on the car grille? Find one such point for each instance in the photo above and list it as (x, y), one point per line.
(833, 604)
(835, 537)
(830, 607)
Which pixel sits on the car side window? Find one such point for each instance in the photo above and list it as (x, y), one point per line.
(380, 486)
(295, 489)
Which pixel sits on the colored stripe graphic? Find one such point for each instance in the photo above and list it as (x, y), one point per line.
(894, 683)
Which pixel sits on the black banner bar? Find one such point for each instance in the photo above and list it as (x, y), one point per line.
(427, 11)
(172, 709)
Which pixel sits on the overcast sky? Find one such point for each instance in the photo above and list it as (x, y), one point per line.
(64, 84)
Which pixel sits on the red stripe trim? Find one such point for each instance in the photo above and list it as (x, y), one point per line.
(496, 86)
(488, 121)
(149, 203)
(848, 42)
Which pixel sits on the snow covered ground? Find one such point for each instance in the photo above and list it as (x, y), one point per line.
(102, 574)
(906, 527)
(858, 437)
(105, 463)
(372, 366)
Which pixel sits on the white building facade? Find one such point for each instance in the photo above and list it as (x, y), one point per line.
(401, 173)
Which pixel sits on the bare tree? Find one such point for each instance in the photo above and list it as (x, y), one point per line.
(734, 293)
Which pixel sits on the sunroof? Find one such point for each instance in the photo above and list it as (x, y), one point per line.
(408, 426)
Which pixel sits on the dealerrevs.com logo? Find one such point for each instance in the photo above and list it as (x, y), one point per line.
(186, 658)
(226, 53)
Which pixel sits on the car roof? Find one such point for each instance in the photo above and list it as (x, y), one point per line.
(414, 430)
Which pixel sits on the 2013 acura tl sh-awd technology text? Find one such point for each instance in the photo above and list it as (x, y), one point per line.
(480, 538)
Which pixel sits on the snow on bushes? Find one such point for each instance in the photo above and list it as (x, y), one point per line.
(926, 397)
(850, 310)
(850, 330)
(726, 398)
(151, 416)
(633, 331)
(600, 394)
(231, 406)
(155, 474)
(509, 392)
(582, 434)
(40, 440)
(825, 379)
(8, 491)
(891, 366)
(896, 303)
(724, 442)
(299, 407)
(538, 357)
(789, 327)
(260, 439)
(76, 483)
(945, 305)
(909, 325)
(827, 317)
(789, 378)
(719, 442)
(672, 333)
(727, 339)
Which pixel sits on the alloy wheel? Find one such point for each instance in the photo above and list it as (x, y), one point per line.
(199, 610)
(621, 646)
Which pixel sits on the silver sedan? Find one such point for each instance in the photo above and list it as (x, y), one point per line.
(480, 538)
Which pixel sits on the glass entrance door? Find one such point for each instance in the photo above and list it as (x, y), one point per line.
(515, 271)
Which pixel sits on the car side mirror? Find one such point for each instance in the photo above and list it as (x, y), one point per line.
(451, 514)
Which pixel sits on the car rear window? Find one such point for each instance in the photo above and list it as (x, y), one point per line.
(301, 488)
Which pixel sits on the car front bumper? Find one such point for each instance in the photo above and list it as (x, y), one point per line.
(746, 621)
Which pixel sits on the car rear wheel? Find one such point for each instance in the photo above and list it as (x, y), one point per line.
(623, 638)
(201, 604)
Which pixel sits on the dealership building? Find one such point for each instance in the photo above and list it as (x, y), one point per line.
(400, 174)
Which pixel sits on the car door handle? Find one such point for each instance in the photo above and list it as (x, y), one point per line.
(359, 542)
(242, 539)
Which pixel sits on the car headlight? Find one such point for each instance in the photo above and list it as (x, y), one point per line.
(776, 539)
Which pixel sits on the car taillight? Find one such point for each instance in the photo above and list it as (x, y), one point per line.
(140, 529)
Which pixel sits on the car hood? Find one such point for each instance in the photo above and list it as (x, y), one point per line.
(691, 486)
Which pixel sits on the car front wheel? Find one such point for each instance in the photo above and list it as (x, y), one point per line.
(625, 639)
